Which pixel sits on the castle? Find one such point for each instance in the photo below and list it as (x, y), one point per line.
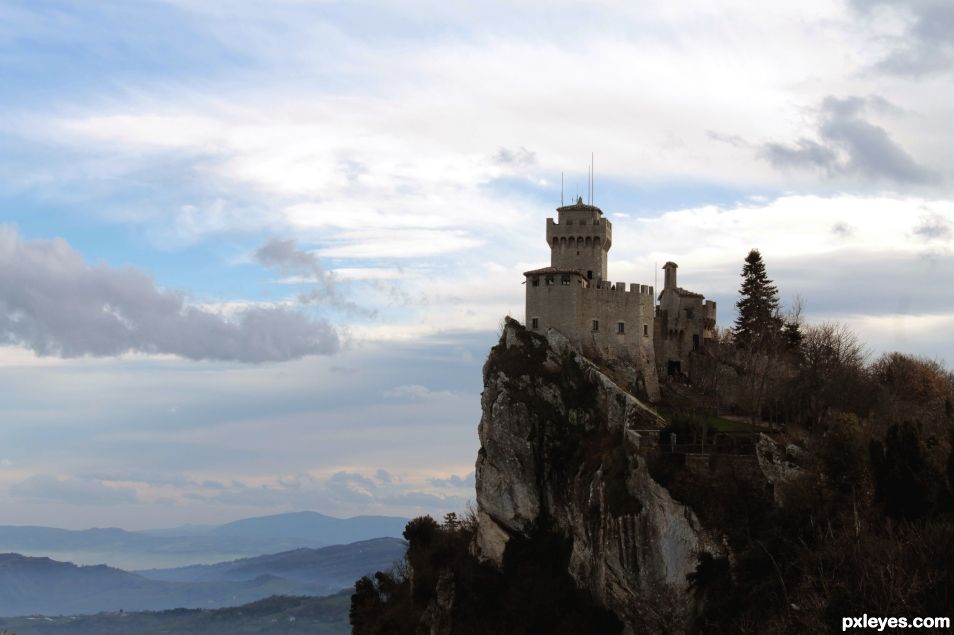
(609, 320)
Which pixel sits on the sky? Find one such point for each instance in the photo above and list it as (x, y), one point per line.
(254, 254)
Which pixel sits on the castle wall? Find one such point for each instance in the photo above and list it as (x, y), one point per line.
(572, 309)
(555, 306)
(684, 323)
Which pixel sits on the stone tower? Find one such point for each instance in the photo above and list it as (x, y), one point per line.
(685, 324)
(579, 240)
(607, 321)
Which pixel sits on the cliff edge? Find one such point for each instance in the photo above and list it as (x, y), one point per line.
(561, 455)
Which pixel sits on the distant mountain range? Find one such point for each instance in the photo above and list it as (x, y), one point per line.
(30, 585)
(332, 567)
(191, 544)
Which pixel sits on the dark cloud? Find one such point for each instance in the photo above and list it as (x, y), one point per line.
(860, 283)
(849, 145)
(286, 256)
(54, 303)
(71, 490)
(804, 153)
(842, 230)
(733, 140)
(926, 45)
(933, 227)
(516, 156)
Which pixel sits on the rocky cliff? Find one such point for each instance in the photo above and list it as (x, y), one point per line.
(561, 455)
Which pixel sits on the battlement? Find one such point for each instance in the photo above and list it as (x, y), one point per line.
(620, 287)
(583, 228)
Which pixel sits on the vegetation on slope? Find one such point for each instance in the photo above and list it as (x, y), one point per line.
(532, 594)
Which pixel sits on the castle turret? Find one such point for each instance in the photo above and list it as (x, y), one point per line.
(580, 239)
(670, 279)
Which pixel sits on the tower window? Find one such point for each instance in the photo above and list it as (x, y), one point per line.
(620, 327)
(589, 275)
(645, 330)
(536, 281)
(535, 323)
(565, 280)
(549, 281)
(596, 325)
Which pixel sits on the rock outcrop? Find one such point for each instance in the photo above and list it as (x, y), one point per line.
(561, 454)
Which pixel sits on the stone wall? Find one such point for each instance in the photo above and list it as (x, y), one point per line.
(589, 316)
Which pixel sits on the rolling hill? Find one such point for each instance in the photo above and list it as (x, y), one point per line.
(30, 585)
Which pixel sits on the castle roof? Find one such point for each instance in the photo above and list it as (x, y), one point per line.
(580, 206)
(546, 270)
(688, 294)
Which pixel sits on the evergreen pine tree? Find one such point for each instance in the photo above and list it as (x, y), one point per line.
(758, 322)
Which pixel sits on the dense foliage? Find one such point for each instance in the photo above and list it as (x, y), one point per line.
(532, 594)
(864, 523)
(758, 305)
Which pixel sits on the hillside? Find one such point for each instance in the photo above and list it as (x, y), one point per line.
(334, 566)
(274, 615)
(31, 585)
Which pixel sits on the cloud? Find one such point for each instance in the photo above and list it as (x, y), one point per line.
(515, 157)
(804, 153)
(923, 44)
(56, 304)
(454, 480)
(416, 392)
(933, 226)
(76, 491)
(842, 230)
(850, 146)
(285, 256)
(353, 491)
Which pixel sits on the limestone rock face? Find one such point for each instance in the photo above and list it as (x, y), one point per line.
(560, 452)
(776, 464)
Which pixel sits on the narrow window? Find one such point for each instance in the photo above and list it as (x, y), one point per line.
(536, 281)
(549, 281)
(535, 323)
(589, 275)
(645, 330)
(596, 325)
(620, 327)
(565, 280)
